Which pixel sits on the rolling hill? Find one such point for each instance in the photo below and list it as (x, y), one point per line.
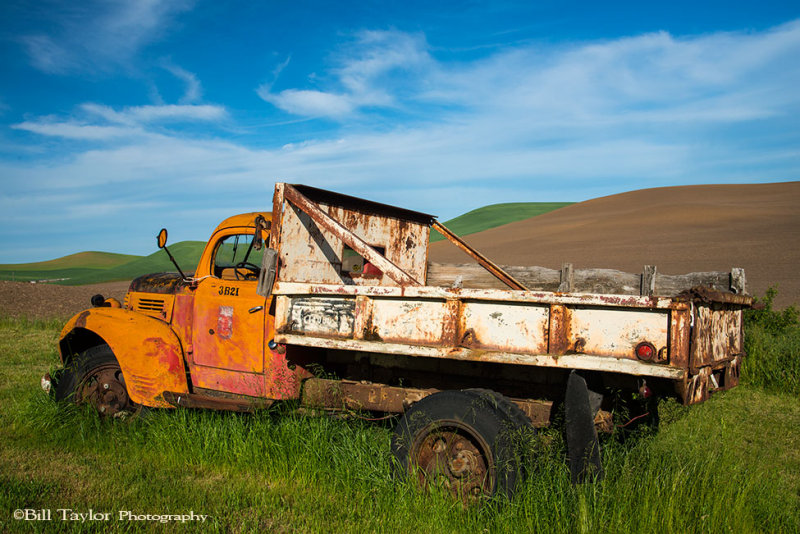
(678, 229)
(96, 267)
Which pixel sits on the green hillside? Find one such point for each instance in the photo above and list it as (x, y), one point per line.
(81, 260)
(94, 267)
(186, 253)
(496, 215)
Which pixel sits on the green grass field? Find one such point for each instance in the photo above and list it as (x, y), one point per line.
(95, 267)
(731, 464)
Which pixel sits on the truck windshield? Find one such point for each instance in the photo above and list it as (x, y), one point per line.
(236, 250)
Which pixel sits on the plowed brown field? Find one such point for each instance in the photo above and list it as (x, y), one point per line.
(50, 301)
(678, 229)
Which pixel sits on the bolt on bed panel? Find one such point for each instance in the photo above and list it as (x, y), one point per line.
(415, 321)
(616, 332)
(504, 326)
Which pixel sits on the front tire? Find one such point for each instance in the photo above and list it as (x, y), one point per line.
(470, 442)
(94, 377)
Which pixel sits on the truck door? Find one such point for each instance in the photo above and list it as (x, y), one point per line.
(229, 320)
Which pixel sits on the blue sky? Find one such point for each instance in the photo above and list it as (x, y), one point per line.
(118, 118)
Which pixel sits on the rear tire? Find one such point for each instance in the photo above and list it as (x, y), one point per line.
(94, 377)
(470, 442)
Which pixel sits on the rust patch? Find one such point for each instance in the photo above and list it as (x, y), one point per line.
(349, 395)
(468, 339)
(538, 411)
(166, 356)
(163, 283)
(225, 322)
(560, 330)
(81, 320)
(371, 333)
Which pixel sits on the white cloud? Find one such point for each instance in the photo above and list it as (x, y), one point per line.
(96, 35)
(145, 114)
(194, 91)
(176, 112)
(366, 76)
(75, 130)
(647, 78)
(310, 103)
(129, 122)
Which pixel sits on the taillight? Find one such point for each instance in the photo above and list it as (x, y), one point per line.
(645, 351)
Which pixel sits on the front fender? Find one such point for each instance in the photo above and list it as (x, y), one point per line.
(148, 351)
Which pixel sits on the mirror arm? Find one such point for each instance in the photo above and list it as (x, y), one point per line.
(175, 263)
(161, 240)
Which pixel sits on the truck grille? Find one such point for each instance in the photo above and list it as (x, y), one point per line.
(152, 304)
(149, 305)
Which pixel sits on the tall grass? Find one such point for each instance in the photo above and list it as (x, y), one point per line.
(772, 343)
(281, 471)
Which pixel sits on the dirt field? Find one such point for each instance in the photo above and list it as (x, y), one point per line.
(678, 229)
(50, 301)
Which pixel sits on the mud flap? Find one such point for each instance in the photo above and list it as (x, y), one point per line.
(585, 463)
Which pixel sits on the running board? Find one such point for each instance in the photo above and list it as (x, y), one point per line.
(193, 400)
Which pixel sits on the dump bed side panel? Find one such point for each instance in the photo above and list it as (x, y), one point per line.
(483, 326)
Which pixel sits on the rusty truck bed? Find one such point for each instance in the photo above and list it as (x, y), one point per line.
(351, 277)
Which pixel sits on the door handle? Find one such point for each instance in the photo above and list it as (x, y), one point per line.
(255, 309)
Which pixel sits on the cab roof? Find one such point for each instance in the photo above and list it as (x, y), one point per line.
(244, 219)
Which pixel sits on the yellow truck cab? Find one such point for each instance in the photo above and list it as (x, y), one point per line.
(174, 334)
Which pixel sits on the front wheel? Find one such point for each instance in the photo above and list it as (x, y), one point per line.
(94, 377)
(469, 442)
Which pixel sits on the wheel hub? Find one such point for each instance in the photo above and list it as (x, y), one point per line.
(104, 388)
(451, 459)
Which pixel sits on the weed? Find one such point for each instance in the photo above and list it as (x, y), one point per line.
(772, 344)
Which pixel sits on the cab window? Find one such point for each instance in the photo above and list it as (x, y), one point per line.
(236, 258)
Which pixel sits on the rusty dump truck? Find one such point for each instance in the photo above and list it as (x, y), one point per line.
(329, 302)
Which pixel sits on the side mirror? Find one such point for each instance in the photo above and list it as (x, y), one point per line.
(162, 238)
(266, 278)
(162, 243)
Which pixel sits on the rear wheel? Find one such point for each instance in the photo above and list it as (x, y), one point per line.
(94, 377)
(468, 442)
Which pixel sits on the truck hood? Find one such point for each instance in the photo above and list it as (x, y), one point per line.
(164, 283)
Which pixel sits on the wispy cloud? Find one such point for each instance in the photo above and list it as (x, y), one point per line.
(646, 78)
(166, 112)
(97, 35)
(367, 75)
(75, 130)
(194, 91)
(103, 123)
